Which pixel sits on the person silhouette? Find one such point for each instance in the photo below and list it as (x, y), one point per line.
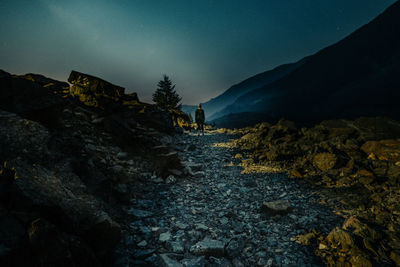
(200, 118)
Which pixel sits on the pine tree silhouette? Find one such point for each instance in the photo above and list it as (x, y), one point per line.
(165, 96)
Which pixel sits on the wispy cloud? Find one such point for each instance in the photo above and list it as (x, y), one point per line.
(70, 19)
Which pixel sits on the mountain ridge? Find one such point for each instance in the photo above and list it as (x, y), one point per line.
(214, 105)
(357, 74)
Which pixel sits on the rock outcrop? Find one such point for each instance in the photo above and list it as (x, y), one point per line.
(68, 169)
(354, 163)
(54, 85)
(93, 91)
(50, 202)
(181, 119)
(30, 99)
(111, 99)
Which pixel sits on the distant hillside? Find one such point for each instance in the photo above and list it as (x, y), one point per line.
(240, 120)
(189, 109)
(214, 105)
(358, 76)
(233, 93)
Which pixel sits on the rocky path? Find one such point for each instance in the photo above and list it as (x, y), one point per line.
(217, 217)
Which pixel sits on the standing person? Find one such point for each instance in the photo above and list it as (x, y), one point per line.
(200, 118)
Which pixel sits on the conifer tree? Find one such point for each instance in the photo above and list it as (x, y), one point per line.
(165, 96)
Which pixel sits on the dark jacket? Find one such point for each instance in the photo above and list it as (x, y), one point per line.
(200, 115)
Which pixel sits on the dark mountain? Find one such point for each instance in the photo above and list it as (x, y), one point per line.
(358, 76)
(188, 109)
(240, 120)
(214, 105)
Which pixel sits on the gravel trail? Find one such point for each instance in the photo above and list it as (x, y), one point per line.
(216, 217)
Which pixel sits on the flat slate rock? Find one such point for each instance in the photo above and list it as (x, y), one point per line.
(276, 207)
(140, 214)
(209, 248)
(165, 237)
(176, 247)
(143, 254)
(167, 261)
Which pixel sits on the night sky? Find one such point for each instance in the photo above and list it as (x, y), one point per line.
(205, 46)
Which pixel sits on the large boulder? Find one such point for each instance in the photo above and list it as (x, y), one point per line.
(31, 189)
(37, 190)
(384, 149)
(325, 161)
(339, 237)
(51, 84)
(29, 99)
(276, 207)
(22, 138)
(340, 249)
(376, 128)
(93, 91)
(180, 118)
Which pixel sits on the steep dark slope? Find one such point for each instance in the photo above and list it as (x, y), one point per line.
(257, 81)
(240, 120)
(358, 76)
(214, 105)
